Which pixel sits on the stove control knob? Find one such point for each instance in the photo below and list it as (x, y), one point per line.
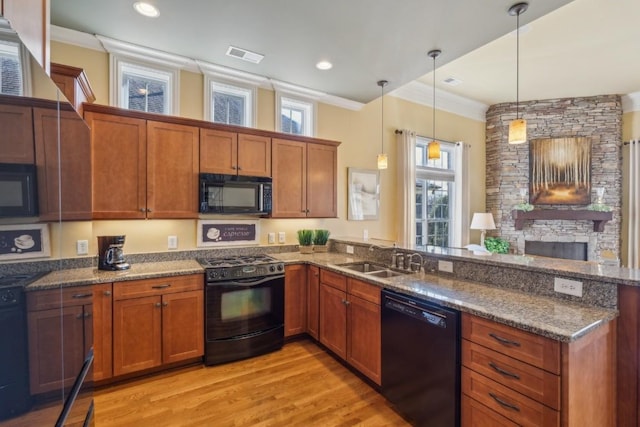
(213, 274)
(224, 273)
(8, 296)
(272, 268)
(280, 267)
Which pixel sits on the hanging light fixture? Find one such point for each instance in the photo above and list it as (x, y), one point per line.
(433, 148)
(518, 127)
(382, 157)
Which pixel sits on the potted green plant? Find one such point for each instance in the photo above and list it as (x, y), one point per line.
(320, 239)
(305, 240)
(496, 245)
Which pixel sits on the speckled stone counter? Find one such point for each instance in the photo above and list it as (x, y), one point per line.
(554, 318)
(91, 275)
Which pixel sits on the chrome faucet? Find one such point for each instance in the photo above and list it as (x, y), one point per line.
(414, 266)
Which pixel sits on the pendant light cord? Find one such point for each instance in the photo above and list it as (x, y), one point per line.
(518, 65)
(382, 118)
(433, 106)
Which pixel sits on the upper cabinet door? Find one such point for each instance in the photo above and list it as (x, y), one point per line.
(119, 146)
(322, 181)
(218, 151)
(172, 170)
(254, 155)
(289, 179)
(16, 144)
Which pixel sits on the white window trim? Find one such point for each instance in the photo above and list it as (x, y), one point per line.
(251, 111)
(305, 103)
(115, 80)
(6, 33)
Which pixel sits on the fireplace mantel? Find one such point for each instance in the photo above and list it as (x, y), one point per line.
(599, 218)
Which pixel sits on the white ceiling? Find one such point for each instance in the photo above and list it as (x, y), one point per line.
(568, 48)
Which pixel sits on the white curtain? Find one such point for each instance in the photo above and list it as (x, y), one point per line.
(461, 232)
(633, 210)
(406, 142)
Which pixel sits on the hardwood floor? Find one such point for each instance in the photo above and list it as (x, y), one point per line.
(300, 385)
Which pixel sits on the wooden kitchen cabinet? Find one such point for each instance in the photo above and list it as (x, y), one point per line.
(157, 322)
(295, 299)
(16, 144)
(102, 331)
(64, 169)
(59, 338)
(313, 301)
(304, 179)
(74, 85)
(350, 319)
(232, 153)
(142, 168)
(513, 377)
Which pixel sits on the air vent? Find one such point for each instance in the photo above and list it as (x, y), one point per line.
(452, 81)
(245, 55)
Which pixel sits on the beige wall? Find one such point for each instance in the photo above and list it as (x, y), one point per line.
(630, 130)
(358, 131)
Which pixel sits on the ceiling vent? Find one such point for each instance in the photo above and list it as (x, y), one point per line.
(245, 55)
(452, 81)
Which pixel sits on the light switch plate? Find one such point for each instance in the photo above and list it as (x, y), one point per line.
(281, 237)
(446, 266)
(82, 247)
(566, 286)
(271, 238)
(172, 242)
(349, 249)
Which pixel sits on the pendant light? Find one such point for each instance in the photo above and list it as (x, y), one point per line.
(518, 127)
(433, 148)
(382, 157)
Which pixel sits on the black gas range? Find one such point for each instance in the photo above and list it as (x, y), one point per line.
(241, 267)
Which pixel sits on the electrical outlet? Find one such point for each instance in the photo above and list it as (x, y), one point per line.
(82, 247)
(271, 238)
(172, 242)
(446, 266)
(365, 234)
(566, 286)
(349, 249)
(281, 237)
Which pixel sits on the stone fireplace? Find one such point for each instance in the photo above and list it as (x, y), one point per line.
(597, 118)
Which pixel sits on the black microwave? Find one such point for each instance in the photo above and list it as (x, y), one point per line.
(18, 195)
(234, 194)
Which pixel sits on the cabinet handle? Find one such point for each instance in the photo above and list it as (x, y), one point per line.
(503, 403)
(158, 304)
(504, 340)
(149, 210)
(503, 372)
(87, 315)
(239, 168)
(107, 293)
(234, 167)
(80, 316)
(345, 302)
(161, 286)
(143, 210)
(164, 304)
(78, 296)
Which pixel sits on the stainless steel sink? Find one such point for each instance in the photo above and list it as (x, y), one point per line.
(373, 269)
(387, 273)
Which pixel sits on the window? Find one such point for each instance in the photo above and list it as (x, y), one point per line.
(296, 116)
(144, 87)
(230, 104)
(11, 70)
(435, 196)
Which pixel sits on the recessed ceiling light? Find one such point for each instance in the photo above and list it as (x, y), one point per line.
(452, 81)
(146, 9)
(324, 65)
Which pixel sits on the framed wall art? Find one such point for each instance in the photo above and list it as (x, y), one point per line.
(364, 194)
(228, 232)
(560, 171)
(24, 241)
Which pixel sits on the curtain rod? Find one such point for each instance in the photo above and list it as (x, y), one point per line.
(400, 132)
(633, 141)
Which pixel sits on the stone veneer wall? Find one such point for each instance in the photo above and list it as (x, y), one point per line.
(598, 118)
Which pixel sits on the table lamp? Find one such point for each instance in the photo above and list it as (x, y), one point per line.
(482, 221)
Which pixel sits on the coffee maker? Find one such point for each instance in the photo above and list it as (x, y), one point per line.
(110, 254)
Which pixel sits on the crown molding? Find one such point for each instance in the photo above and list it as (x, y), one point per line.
(219, 71)
(421, 93)
(631, 102)
(76, 38)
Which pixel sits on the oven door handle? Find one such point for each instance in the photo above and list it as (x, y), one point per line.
(247, 282)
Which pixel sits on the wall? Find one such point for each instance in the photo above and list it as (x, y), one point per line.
(358, 131)
(598, 118)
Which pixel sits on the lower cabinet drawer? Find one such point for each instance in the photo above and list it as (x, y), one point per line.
(516, 407)
(533, 382)
(475, 414)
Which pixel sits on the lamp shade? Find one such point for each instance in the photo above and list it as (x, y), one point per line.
(518, 131)
(382, 161)
(433, 150)
(482, 221)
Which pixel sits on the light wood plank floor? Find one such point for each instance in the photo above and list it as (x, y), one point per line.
(300, 385)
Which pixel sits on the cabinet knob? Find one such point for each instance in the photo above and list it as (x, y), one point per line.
(164, 304)
(143, 210)
(86, 315)
(107, 293)
(239, 168)
(234, 167)
(158, 304)
(149, 210)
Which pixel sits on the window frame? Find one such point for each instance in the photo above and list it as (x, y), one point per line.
(24, 57)
(309, 106)
(120, 62)
(250, 108)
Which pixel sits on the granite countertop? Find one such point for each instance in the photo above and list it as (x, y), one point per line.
(554, 318)
(91, 275)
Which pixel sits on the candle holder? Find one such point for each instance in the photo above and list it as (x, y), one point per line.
(599, 206)
(524, 205)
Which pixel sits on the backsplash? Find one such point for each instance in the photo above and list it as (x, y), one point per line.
(598, 118)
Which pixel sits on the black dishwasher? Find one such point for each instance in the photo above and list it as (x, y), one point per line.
(421, 360)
